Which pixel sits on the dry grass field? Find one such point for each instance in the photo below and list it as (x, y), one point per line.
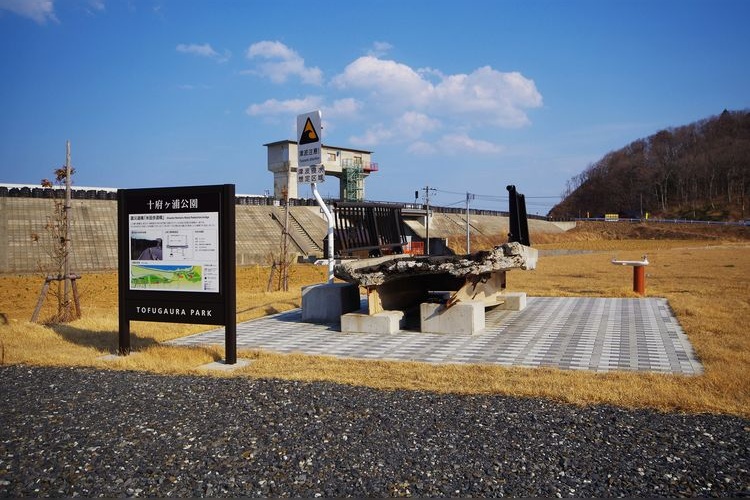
(702, 272)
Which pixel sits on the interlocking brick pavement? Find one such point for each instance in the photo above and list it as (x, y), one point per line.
(576, 333)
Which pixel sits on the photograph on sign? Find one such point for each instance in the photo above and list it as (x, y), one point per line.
(174, 252)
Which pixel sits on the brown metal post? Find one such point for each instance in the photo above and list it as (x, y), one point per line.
(639, 280)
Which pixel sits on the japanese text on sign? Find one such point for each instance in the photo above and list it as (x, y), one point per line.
(309, 152)
(177, 203)
(313, 173)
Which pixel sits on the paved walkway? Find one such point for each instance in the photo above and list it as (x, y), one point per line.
(598, 334)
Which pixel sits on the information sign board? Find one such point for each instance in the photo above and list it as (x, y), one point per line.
(176, 258)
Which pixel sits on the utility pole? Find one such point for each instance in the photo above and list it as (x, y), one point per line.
(427, 190)
(284, 271)
(66, 242)
(469, 196)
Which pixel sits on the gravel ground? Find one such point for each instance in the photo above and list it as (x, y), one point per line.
(82, 432)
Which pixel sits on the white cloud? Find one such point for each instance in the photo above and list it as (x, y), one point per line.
(422, 148)
(431, 73)
(407, 127)
(97, 5)
(203, 50)
(269, 50)
(288, 107)
(283, 62)
(386, 81)
(342, 108)
(424, 110)
(463, 143)
(379, 49)
(489, 95)
(413, 124)
(376, 134)
(485, 96)
(40, 11)
(454, 144)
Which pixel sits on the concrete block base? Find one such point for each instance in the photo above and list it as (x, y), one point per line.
(382, 322)
(514, 301)
(222, 366)
(466, 317)
(325, 303)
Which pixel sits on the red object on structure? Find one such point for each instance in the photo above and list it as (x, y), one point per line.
(639, 280)
(414, 248)
(639, 273)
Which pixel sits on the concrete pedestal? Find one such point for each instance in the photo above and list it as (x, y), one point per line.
(326, 303)
(382, 322)
(466, 317)
(514, 301)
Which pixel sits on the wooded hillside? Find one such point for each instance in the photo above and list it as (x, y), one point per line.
(698, 171)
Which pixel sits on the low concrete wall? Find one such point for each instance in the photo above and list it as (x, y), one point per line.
(564, 225)
(24, 242)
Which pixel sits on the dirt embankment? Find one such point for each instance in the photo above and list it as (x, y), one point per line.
(662, 231)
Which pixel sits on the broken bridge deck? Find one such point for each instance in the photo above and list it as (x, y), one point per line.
(401, 282)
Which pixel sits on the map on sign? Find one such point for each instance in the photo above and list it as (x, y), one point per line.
(162, 277)
(309, 145)
(313, 173)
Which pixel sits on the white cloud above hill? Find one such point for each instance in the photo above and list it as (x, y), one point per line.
(425, 109)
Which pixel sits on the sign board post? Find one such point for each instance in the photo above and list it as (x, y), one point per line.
(310, 168)
(176, 259)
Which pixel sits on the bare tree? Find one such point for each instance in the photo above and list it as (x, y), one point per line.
(57, 247)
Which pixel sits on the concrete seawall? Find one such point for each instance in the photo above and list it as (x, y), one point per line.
(25, 243)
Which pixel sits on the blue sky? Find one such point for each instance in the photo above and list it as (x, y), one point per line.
(462, 96)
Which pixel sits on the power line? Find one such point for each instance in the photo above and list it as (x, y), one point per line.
(493, 197)
(454, 203)
(448, 192)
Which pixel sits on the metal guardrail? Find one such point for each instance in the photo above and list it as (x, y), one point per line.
(663, 221)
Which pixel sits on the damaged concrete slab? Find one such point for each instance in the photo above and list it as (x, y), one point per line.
(403, 282)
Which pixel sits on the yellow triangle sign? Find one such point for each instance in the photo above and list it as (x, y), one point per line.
(309, 135)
